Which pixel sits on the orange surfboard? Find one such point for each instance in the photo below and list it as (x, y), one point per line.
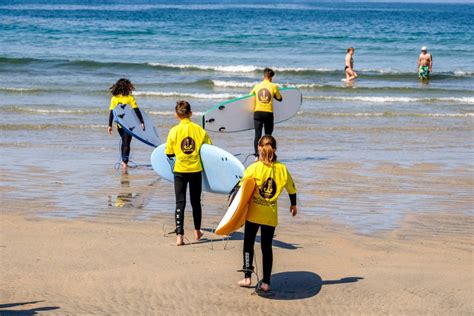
(236, 214)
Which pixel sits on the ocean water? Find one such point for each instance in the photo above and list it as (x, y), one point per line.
(58, 59)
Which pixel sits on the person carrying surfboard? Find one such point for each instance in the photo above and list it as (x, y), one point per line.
(122, 94)
(270, 176)
(264, 93)
(184, 143)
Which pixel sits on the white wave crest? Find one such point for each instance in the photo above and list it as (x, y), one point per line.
(238, 68)
(233, 84)
(186, 95)
(11, 89)
(462, 73)
(388, 114)
(169, 113)
(231, 69)
(386, 99)
(54, 110)
(250, 84)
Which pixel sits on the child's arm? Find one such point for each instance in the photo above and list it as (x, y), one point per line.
(254, 92)
(207, 139)
(169, 150)
(293, 208)
(111, 114)
(291, 188)
(111, 120)
(133, 104)
(140, 117)
(277, 96)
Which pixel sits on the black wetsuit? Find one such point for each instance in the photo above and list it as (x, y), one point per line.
(266, 232)
(262, 120)
(266, 241)
(181, 180)
(126, 138)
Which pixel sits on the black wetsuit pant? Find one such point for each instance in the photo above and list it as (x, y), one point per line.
(125, 147)
(267, 253)
(181, 181)
(262, 120)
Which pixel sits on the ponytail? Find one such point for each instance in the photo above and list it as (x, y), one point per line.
(267, 145)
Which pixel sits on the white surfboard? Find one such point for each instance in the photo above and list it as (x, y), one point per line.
(127, 118)
(237, 114)
(221, 169)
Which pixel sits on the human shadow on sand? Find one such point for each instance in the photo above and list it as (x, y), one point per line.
(295, 285)
(24, 312)
(240, 236)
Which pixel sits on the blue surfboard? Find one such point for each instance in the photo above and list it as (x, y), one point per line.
(127, 118)
(221, 169)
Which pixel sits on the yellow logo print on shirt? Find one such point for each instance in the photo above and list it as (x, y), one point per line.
(268, 189)
(188, 145)
(264, 96)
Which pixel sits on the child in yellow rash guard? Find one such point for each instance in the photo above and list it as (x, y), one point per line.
(122, 94)
(184, 142)
(264, 93)
(270, 177)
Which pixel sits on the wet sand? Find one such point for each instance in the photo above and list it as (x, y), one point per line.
(380, 230)
(129, 267)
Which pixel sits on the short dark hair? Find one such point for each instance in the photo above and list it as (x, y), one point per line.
(350, 48)
(122, 87)
(268, 73)
(183, 109)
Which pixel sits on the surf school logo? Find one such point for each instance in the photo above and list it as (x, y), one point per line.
(264, 96)
(268, 189)
(188, 145)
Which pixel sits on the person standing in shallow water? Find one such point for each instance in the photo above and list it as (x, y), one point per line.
(425, 64)
(122, 94)
(349, 68)
(264, 93)
(271, 177)
(184, 143)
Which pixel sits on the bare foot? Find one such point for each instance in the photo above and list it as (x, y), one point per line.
(245, 282)
(124, 166)
(198, 234)
(179, 240)
(265, 287)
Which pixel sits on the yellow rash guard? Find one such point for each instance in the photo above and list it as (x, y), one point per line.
(269, 183)
(264, 93)
(123, 99)
(185, 141)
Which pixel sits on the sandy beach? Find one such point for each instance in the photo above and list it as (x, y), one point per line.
(125, 267)
(378, 237)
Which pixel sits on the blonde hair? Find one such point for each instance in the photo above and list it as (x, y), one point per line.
(183, 109)
(268, 148)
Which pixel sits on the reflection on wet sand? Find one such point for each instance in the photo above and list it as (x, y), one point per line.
(125, 198)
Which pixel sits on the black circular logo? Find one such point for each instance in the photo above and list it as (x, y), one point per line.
(188, 145)
(264, 96)
(268, 189)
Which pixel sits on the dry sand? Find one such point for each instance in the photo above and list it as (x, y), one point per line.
(57, 266)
